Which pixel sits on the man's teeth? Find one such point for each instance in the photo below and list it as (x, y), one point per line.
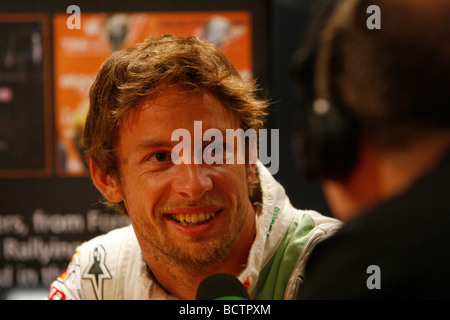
(192, 219)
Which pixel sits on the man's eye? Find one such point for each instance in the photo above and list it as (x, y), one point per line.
(159, 157)
(214, 148)
(217, 148)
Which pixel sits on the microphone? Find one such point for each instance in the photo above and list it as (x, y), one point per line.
(221, 286)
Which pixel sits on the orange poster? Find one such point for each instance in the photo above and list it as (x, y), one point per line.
(78, 54)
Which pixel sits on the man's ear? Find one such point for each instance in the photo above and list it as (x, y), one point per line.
(106, 184)
(252, 159)
(251, 172)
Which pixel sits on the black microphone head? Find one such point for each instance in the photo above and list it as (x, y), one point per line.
(221, 286)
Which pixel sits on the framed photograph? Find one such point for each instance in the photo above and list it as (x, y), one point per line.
(25, 100)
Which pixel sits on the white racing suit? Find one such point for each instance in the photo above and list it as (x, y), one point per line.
(111, 266)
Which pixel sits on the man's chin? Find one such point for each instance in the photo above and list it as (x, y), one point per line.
(198, 255)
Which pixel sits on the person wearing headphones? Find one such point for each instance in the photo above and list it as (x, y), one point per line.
(377, 137)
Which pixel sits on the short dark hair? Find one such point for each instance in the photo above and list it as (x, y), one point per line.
(394, 80)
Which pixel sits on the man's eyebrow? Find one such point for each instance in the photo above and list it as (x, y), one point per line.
(150, 143)
(154, 143)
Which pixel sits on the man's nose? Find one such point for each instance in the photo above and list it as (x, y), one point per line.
(192, 181)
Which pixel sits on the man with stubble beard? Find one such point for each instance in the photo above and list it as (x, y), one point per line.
(189, 219)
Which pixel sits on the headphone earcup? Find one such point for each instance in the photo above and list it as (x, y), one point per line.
(327, 139)
(329, 142)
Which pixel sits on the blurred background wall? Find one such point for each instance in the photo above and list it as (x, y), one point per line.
(48, 204)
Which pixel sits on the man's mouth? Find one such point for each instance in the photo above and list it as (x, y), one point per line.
(193, 219)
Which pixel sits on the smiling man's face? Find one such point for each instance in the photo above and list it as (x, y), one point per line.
(191, 213)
